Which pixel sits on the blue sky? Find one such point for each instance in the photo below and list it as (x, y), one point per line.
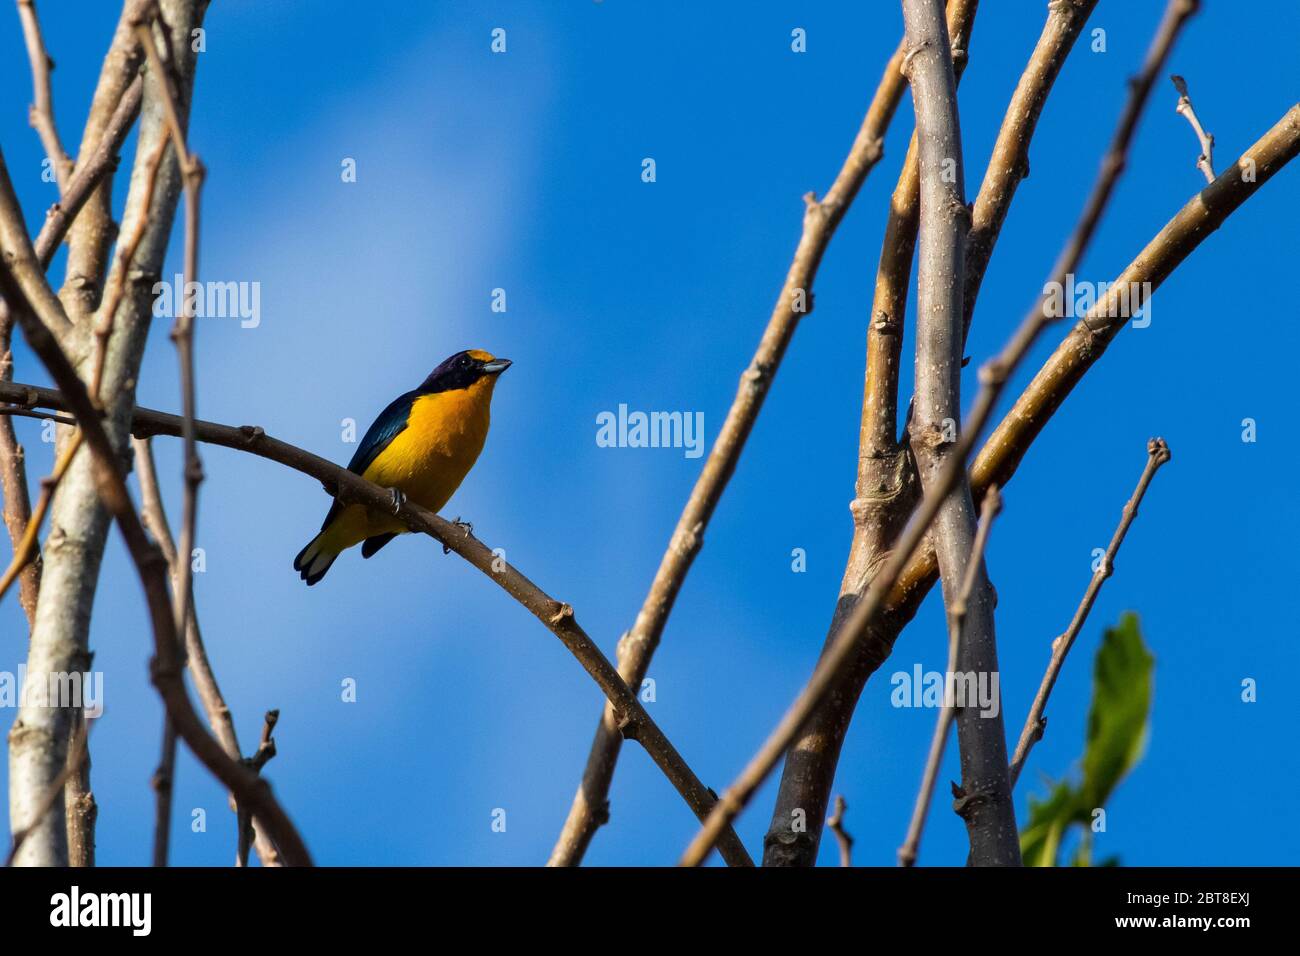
(522, 171)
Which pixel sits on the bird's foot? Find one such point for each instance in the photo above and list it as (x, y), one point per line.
(465, 527)
(397, 498)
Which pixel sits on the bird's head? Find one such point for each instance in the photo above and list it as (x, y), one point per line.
(464, 369)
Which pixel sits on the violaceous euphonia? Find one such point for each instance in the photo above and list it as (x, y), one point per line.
(420, 447)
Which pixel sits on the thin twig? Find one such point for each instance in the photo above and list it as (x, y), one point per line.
(907, 853)
(590, 804)
(88, 175)
(1204, 162)
(836, 822)
(13, 481)
(41, 114)
(27, 549)
(255, 763)
(154, 515)
(182, 334)
(12, 411)
(163, 783)
(1036, 723)
(76, 757)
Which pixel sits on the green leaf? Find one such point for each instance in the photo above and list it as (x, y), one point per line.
(1040, 840)
(1122, 685)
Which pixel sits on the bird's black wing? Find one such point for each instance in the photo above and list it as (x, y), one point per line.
(390, 423)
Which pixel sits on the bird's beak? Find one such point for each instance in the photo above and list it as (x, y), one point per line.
(496, 365)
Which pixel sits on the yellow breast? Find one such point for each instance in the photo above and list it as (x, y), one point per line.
(443, 437)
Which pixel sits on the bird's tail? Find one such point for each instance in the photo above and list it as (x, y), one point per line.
(315, 559)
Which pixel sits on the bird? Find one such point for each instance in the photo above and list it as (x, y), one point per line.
(420, 448)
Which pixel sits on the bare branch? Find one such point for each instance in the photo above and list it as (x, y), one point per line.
(41, 114)
(77, 755)
(885, 494)
(193, 174)
(26, 549)
(1036, 723)
(351, 488)
(154, 515)
(956, 618)
(150, 566)
(1204, 162)
(13, 479)
(265, 751)
(591, 803)
(162, 783)
(91, 234)
(836, 823)
(121, 267)
(1007, 444)
(89, 174)
(1009, 164)
(810, 766)
(990, 819)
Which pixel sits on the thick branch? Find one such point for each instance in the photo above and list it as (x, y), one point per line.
(810, 767)
(902, 581)
(990, 814)
(885, 494)
(956, 621)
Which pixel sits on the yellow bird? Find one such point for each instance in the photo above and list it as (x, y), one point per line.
(420, 447)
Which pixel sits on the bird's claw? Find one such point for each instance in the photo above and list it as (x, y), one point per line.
(397, 498)
(465, 527)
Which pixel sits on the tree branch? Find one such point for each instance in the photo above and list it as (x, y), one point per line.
(77, 754)
(13, 481)
(149, 563)
(885, 494)
(353, 489)
(154, 515)
(1204, 162)
(836, 823)
(89, 173)
(810, 766)
(990, 819)
(1176, 241)
(41, 113)
(956, 619)
(1035, 723)
(91, 234)
(590, 806)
